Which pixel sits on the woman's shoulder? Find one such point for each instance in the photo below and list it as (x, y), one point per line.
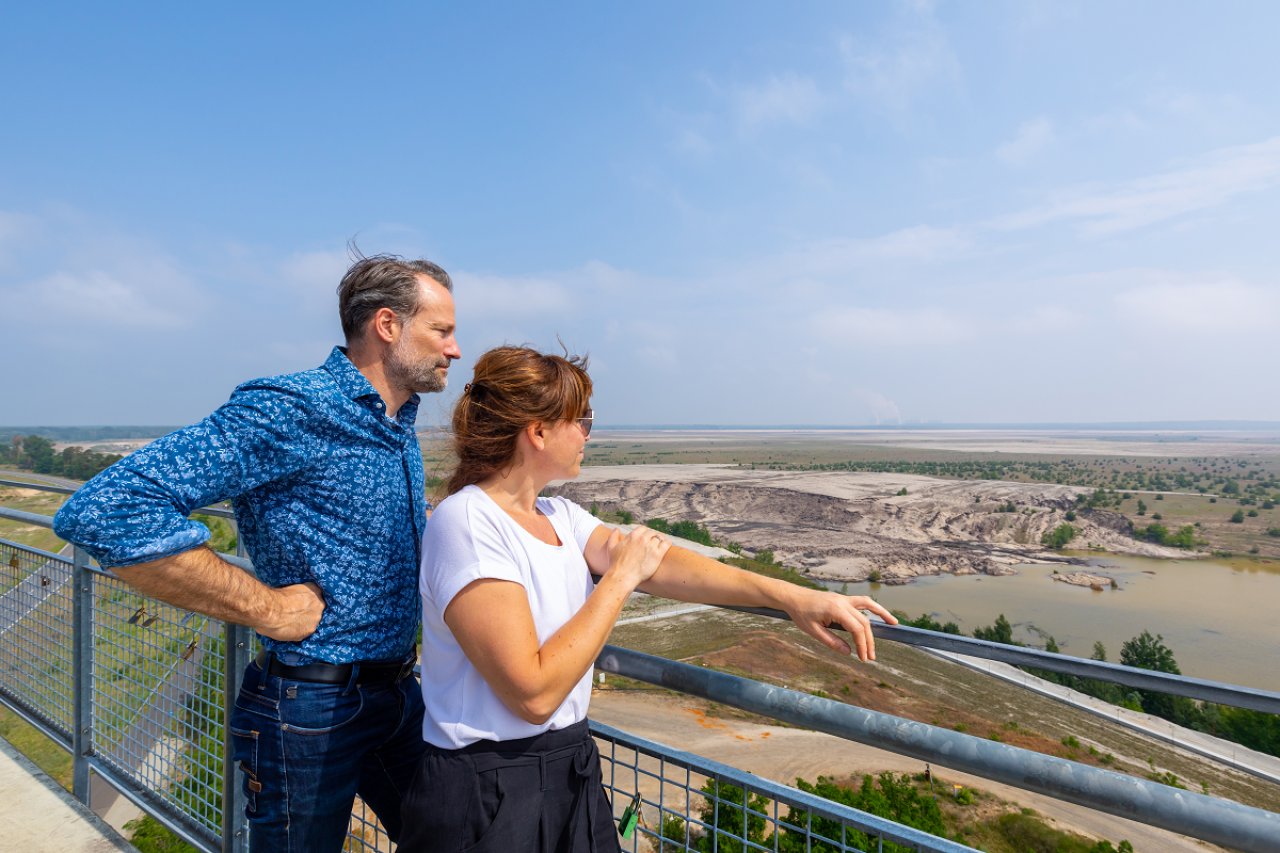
(458, 508)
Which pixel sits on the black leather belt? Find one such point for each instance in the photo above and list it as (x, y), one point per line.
(367, 672)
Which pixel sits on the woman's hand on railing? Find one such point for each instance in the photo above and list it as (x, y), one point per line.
(816, 612)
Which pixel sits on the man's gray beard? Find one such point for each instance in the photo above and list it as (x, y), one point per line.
(419, 377)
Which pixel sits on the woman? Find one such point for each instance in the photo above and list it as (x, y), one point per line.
(512, 623)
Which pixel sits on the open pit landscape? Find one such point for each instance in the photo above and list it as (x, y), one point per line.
(817, 503)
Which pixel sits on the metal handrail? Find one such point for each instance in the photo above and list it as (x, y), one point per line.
(217, 511)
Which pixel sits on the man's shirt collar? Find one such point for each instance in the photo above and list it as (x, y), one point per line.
(351, 381)
(355, 386)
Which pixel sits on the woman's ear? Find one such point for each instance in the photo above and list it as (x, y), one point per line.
(536, 433)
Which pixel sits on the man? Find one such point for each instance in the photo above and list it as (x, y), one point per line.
(326, 479)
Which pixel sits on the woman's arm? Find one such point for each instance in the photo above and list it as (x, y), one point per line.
(493, 624)
(686, 576)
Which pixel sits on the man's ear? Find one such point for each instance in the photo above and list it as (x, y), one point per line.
(385, 325)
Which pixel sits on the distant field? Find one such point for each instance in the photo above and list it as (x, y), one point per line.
(30, 500)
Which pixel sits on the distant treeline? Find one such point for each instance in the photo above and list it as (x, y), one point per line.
(1210, 475)
(1253, 729)
(35, 453)
(85, 433)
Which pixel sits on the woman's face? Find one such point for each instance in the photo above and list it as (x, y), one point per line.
(566, 443)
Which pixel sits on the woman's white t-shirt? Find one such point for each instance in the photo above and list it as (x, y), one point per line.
(470, 537)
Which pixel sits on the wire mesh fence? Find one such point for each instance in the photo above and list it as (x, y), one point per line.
(35, 636)
(670, 800)
(157, 699)
(157, 688)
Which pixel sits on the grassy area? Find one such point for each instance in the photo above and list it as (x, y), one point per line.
(1211, 516)
(773, 570)
(43, 752)
(34, 501)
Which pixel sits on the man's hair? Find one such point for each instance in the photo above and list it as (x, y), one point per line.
(512, 388)
(383, 281)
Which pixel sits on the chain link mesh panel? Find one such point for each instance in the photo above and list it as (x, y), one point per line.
(35, 635)
(716, 808)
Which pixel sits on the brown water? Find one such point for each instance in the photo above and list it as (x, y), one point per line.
(1221, 620)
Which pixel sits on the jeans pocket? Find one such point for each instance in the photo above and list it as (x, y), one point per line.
(318, 709)
(244, 744)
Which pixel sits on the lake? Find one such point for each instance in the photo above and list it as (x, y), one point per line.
(1220, 619)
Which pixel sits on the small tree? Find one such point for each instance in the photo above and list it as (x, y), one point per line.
(1058, 537)
(730, 821)
(1000, 632)
(1237, 517)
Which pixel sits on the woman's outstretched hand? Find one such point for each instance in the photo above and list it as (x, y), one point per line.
(813, 611)
(636, 555)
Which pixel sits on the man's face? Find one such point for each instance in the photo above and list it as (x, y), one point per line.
(419, 359)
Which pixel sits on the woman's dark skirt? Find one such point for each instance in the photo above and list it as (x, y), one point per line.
(534, 795)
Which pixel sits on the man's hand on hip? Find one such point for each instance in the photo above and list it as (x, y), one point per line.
(296, 615)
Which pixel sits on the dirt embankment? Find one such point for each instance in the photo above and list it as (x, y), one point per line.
(851, 525)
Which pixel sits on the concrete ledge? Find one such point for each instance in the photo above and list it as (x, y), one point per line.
(38, 816)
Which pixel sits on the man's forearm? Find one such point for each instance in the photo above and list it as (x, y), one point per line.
(199, 580)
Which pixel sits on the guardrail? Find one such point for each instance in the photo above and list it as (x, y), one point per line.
(138, 691)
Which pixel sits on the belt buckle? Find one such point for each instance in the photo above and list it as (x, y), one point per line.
(406, 670)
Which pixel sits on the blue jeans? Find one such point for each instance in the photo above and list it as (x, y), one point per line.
(307, 750)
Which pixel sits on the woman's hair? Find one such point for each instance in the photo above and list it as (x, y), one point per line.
(512, 388)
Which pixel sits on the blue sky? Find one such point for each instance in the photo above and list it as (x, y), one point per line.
(819, 213)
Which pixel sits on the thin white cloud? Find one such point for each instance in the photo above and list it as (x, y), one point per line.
(316, 269)
(159, 297)
(919, 244)
(18, 233)
(860, 328)
(1032, 138)
(1042, 320)
(894, 68)
(784, 98)
(486, 296)
(1224, 306)
(1206, 182)
(692, 142)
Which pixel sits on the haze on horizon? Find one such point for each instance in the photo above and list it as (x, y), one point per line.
(1011, 212)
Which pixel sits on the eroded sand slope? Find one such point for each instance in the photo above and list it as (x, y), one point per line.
(845, 525)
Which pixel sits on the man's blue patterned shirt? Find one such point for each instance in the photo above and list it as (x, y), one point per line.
(325, 486)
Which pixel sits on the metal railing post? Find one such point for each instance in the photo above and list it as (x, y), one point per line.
(82, 673)
(235, 828)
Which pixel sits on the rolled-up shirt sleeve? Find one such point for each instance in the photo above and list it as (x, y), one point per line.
(136, 510)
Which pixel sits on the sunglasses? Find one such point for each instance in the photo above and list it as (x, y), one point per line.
(584, 422)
